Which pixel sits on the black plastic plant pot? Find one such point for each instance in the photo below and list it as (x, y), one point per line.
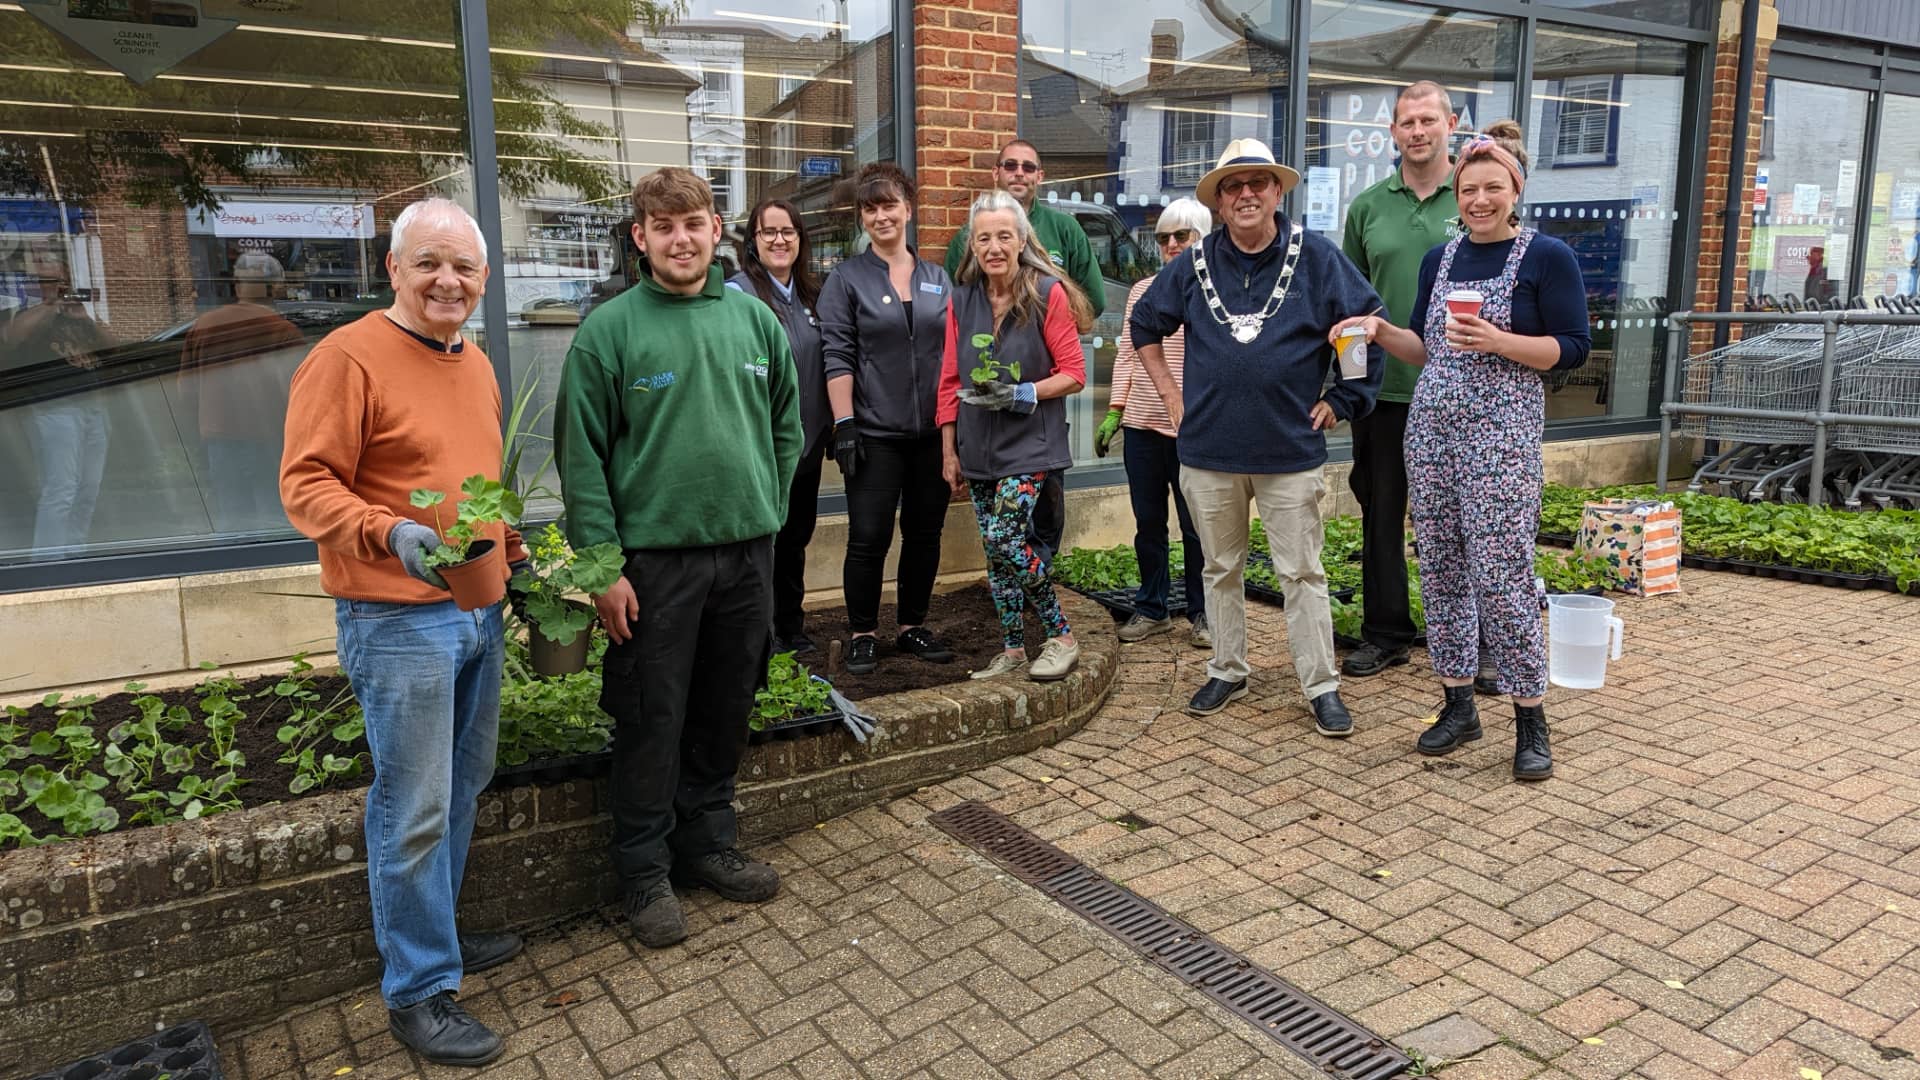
(550, 657)
(553, 770)
(794, 727)
(184, 1052)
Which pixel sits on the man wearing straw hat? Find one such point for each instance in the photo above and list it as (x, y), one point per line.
(1257, 300)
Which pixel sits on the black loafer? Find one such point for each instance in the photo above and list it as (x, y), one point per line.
(1215, 695)
(480, 951)
(920, 642)
(439, 1030)
(1371, 659)
(863, 655)
(1330, 716)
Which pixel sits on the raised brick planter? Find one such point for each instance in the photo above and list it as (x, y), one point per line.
(238, 918)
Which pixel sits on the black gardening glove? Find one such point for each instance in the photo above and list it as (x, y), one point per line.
(847, 451)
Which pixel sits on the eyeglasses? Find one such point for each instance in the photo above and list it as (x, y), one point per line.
(1258, 185)
(770, 235)
(1011, 165)
(1177, 236)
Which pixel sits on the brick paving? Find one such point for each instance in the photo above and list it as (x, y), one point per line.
(1723, 880)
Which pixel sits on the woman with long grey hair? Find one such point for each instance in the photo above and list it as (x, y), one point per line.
(1003, 418)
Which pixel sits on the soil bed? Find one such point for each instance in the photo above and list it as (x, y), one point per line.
(965, 620)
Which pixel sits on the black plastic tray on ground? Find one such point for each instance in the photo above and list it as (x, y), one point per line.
(1120, 601)
(183, 1052)
(794, 727)
(553, 770)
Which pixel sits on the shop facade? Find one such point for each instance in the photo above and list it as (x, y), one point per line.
(251, 157)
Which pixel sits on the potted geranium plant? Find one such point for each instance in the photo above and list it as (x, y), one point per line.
(558, 641)
(987, 372)
(469, 562)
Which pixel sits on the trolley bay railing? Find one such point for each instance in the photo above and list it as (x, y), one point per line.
(1797, 390)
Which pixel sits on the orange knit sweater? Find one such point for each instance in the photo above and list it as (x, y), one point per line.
(374, 414)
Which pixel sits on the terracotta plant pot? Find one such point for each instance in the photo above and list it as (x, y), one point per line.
(552, 658)
(479, 582)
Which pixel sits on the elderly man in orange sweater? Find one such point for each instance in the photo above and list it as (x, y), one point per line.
(393, 402)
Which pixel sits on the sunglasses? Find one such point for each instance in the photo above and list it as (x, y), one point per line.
(1011, 165)
(1177, 236)
(1258, 185)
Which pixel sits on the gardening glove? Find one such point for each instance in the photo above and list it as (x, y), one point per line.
(1008, 397)
(1103, 435)
(411, 543)
(516, 597)
(859, 724)
(847, 451)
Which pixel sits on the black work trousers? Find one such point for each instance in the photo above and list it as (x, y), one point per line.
(902, 475)
(790, 546)
(1379, 483)
(679, 691)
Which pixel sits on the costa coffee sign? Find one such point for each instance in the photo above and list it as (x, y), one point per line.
(285, 221)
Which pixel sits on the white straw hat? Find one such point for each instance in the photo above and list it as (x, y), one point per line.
(1242, 155)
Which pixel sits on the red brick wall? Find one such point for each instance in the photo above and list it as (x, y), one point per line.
(1716, 244)
(966, 98)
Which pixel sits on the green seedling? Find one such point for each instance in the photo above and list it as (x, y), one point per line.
(486, 502)
(791, 691)
(988, 370)
(556, 573)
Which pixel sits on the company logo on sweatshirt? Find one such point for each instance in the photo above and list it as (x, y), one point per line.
(757, 367)
(649, 383)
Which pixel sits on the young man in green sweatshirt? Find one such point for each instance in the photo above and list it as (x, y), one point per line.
(677, 435)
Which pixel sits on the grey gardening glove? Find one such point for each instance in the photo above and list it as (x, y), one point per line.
(411, 542)
(859, 724)
(1010, 397)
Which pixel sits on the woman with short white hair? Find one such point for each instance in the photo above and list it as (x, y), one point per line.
(1153, 463)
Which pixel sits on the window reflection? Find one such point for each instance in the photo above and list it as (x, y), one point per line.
(177, 228)
(1604, 131)
(760, 101)
(1130, 102)
(1805, 223)
(1893, 242)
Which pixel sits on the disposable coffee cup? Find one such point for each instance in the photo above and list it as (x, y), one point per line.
(1464, 302)
(1353, 352)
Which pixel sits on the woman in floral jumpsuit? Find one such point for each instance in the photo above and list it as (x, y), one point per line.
(1473, 440)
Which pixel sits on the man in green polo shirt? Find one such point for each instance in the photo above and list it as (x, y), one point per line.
(1017, 172)
(1390, 228)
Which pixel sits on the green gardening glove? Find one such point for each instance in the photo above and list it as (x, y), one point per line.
(1103, 435)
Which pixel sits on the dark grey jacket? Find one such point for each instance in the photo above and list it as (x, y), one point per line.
(803, 335)
(864, 328)
(994, 444)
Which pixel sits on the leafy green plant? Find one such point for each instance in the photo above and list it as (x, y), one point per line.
(72, 737)
(74, 803)
(791, 691)
(486, 502)
(550, 717)
(1568, 572)
(1098, 569)
(555, 573)
(14, 832)
(988, 370)
(311, 724)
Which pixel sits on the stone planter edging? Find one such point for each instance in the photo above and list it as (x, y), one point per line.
(237, 918)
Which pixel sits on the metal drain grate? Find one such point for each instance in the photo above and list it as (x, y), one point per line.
(1293, 1018)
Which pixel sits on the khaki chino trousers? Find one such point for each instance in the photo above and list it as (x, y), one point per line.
(1289, 506)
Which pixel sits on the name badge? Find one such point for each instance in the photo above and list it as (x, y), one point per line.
(931, 287)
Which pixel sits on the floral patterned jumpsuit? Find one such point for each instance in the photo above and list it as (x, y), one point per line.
(1475, 472)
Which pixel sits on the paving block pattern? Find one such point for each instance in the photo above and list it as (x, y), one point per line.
(1722, 880)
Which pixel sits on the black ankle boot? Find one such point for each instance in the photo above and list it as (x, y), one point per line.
(1532, 756)
(1459, 723)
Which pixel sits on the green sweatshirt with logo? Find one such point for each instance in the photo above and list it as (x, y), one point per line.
(678, 420)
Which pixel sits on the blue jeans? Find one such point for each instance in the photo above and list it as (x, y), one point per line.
(1153, 468)
(428, 678)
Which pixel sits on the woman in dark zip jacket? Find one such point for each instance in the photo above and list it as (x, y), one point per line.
(777, 268)
(883, 319)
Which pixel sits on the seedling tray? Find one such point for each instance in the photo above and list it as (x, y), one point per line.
(1120, 601)
(184, 1052)
(555, 770)
(794, 727)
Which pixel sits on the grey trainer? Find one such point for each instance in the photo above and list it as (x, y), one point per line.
(730, 874)
(1140, 628)
(654, 915)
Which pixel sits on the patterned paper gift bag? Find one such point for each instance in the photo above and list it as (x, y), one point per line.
(1639, 540)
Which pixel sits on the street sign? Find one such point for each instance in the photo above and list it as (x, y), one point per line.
(820, 166)
(140, 41)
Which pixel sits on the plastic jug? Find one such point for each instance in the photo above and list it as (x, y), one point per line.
(1580, 630)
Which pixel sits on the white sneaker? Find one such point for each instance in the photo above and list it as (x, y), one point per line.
(1003, 664)
(1057, 659)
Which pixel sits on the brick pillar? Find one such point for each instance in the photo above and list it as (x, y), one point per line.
(1715, 243)
(966, 57)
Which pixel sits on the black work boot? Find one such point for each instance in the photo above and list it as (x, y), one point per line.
(654, 915)
(1532, 756)
(439, 1030)
(1459, 723)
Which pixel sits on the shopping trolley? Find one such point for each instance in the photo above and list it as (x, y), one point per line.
(1779, 370)
(1885, 383)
